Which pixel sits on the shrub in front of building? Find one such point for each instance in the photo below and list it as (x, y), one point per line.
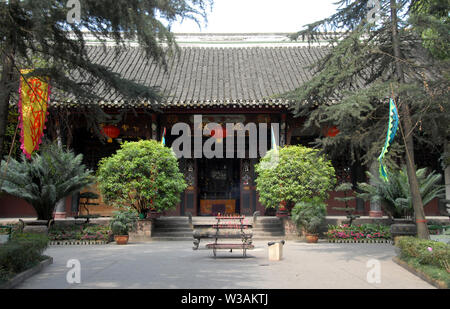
(293, 174)
(143, 175)
(20, 253)
(429, 257)
(50, 175)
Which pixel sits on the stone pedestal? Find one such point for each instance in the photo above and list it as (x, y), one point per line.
(375, 213)
(276, 252)
(375, 206)
(60, 212)
(143, 231)
(290, 228)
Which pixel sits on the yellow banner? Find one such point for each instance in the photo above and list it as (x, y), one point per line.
(34, 95)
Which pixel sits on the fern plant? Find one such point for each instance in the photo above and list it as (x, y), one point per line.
(45, 179)
(395, 194)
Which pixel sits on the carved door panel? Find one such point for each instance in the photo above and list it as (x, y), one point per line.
(247, 200)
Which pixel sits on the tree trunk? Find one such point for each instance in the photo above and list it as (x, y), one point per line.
(422, 229)
(5, 91)
(6, 82)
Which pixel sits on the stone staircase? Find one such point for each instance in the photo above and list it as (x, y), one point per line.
(172, 228)
(179, 228)
(268, 228)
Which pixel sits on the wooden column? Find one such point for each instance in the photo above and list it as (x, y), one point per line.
(154, 127)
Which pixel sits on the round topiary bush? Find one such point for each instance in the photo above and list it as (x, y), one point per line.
(293, 174)
(143, 175)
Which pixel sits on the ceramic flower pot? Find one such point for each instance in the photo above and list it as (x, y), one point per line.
(121, 239)
(312, 238)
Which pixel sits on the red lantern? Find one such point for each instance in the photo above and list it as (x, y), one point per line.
(111, 132)
(332, 131)
(219, 134)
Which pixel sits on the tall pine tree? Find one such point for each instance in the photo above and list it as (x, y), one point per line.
(45, 30)
(371, 58)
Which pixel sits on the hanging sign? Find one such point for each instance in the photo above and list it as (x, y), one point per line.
(34, 94)
(392, 130)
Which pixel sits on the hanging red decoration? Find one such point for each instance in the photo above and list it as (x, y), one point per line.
(220, 133)
(332, 131)
(111, 132)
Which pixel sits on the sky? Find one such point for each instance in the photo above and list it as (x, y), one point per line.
(252, 16)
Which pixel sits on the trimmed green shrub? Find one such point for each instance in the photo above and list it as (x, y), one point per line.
(20, 253)
(143, 175)
(294, 174)
(427, 252)
(80, 232)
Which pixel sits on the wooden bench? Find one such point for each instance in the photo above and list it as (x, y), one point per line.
(230, 227)
(244, 247)
(211, 234)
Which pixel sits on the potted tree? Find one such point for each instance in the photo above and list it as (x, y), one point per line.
(293, 174)
(121, 223)
(143, 175)
(309, 215)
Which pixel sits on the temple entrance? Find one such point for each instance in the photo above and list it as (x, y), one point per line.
(218, 186)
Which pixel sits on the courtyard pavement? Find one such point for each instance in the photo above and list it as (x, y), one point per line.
(175, 265)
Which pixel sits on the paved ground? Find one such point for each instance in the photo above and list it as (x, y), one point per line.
(176, 265)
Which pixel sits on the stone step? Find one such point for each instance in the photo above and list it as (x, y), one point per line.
(269, 238)
(271, 226)
(168, 238)
(172, 229)
(184, 224)
(263, 234)
(172, 220)
(256, 231)
(268, 219)
(173, 234)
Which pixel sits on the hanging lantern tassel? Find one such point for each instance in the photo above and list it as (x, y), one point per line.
(111, 132)
(392, 130)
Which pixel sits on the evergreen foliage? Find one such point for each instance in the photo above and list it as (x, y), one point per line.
(353, 82)
(395, 195)
(297, 173)
(123, 221)
(48, 177)
(143, 175)
(39, 29)
(309, 214)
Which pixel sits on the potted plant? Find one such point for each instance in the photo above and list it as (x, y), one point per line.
(122, 222)
(143, 175)
(309, 215)
(292, 174)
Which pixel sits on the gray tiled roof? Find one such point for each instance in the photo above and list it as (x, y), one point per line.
(212, 76)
